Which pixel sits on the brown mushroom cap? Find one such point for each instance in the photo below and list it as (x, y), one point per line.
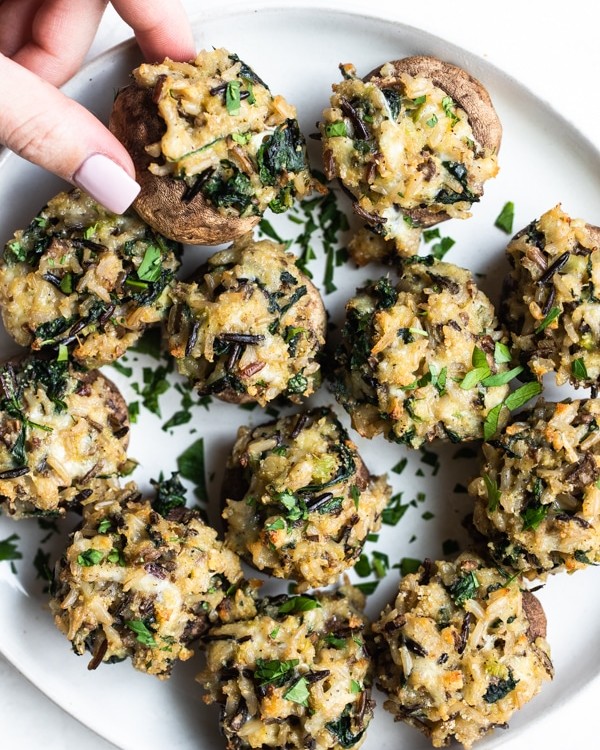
(135, 121)
(115, 403)
(535, 614)
(466, 91)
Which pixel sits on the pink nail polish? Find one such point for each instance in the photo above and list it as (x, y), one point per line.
(107, 183)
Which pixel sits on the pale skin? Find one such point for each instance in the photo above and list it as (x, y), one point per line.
(42, 44)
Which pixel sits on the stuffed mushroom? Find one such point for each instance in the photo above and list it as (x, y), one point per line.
(537, 500)
(423, 359)
(460, 649)
(297, 675)
(413, 143)
(213, 148)
(299, 501)
(250, 326)
(63, 436)
(549, 298)
(83, 280)
(134, 583)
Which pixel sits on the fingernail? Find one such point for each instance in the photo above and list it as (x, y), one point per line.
(107, 183)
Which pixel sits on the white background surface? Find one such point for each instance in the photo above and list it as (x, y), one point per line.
(549, 46)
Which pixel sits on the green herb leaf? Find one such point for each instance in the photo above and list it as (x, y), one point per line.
(104, 525)
(233, 101)
(448, 107)
(336, 129)
(533, 515)
(474, 377)
(363, 566)
(123, 369)
(394, 511)
(133, 410)
(150, 267)
(551, 316)
(400, 466)
(355, 686)
(367, 588)
(342, 728)
(522, 395)
(298, 692)
(297, 604)
(579, 369)
(490, 425)
(142, 634)
(90, 557)
(272, 671)
(502, 353)
(493, 492)
(191, 466)
(241, 138)
(335, 642)
(8, 548)
(440, 248)
(277, 525)
(355, 495)
(501, 378)
(463, 588)
(409, 565)
(506, 217)
(66, 283)
(431, 234)
(432, 122)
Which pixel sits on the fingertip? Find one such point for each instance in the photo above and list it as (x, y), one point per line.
(106, 182)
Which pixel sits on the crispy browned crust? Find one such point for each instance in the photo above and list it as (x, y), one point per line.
(466, 91)
(536, 616)
(135, 121)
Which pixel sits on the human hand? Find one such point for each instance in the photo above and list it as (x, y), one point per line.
(42, 44)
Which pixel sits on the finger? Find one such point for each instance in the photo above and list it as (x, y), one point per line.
(45, 127)
(61, 34)
(15, 24)
(161, 29)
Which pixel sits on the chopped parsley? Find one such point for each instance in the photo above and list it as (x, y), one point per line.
(579, 369)
(493, 493)
(298, 692)
(90, 557)
(191, 466)
(298, 604)
(463, 588)
(142, 634)
(394, 511)
(274, 671)
(150, 267)
(506, 217)
(8, 548)
(232, 97)
(552, 314)
(409, 565)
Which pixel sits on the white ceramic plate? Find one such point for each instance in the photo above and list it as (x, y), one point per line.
(544, 161)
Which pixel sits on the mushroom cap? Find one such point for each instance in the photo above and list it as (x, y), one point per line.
(135, 121)
(468, 93)
(535, 614)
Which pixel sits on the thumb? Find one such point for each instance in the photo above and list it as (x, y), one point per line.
(44, 126)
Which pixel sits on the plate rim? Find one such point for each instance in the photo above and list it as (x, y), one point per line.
(351, 9)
